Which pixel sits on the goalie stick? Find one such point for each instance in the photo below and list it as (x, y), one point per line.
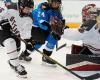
(91, 77)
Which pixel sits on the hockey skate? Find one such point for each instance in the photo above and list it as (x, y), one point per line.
(25, 56)
(19, 69)
(47, 62)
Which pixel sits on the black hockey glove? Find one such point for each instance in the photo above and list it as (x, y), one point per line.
(30, 44)
(56, 37)
(5, 25)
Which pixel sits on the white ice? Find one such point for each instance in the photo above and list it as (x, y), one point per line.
(37, 71)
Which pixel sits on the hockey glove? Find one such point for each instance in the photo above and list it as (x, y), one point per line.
(30, 44)
(5, 25)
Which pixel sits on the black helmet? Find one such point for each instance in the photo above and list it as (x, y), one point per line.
(50, 1)
(26, 3)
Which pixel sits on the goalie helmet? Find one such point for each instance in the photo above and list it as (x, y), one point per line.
(89, 12)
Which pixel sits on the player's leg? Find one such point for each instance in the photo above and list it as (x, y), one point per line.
(11, 49)
(38, 38)
(25, 54)
(48, 50)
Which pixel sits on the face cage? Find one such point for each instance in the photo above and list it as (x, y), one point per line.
(26, 11)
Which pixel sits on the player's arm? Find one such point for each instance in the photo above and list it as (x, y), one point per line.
(5, 25)
(43, 17)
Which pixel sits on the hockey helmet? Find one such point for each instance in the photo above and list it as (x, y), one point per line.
(50, 1)
(26, 3)
(89, 12)
(46, 6)
(25, 7)
(55, 4)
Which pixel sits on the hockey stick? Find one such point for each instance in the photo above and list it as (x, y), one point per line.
(91, 77)
(58, 48)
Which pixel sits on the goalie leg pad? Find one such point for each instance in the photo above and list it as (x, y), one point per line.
(76, 49)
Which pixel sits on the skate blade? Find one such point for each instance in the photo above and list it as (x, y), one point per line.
(49, 65)
(22, 76)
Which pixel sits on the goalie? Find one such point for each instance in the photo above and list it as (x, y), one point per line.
(89, 31)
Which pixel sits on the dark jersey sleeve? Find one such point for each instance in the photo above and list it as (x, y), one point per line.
(5, 25)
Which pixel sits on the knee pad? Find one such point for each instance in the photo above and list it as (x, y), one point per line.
(10, 45)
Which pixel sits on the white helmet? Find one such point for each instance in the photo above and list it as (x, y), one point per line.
(89, 12)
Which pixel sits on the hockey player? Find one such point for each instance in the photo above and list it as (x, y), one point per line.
(45, 16)
(13, 24)
(10, 5)
(89, 32)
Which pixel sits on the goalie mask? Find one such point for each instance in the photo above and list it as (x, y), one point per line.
(89, 12)
(25, 7)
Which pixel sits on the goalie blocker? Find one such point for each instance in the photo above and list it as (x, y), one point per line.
(81, 62)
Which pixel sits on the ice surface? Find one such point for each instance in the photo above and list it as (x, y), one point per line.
(37, 71)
